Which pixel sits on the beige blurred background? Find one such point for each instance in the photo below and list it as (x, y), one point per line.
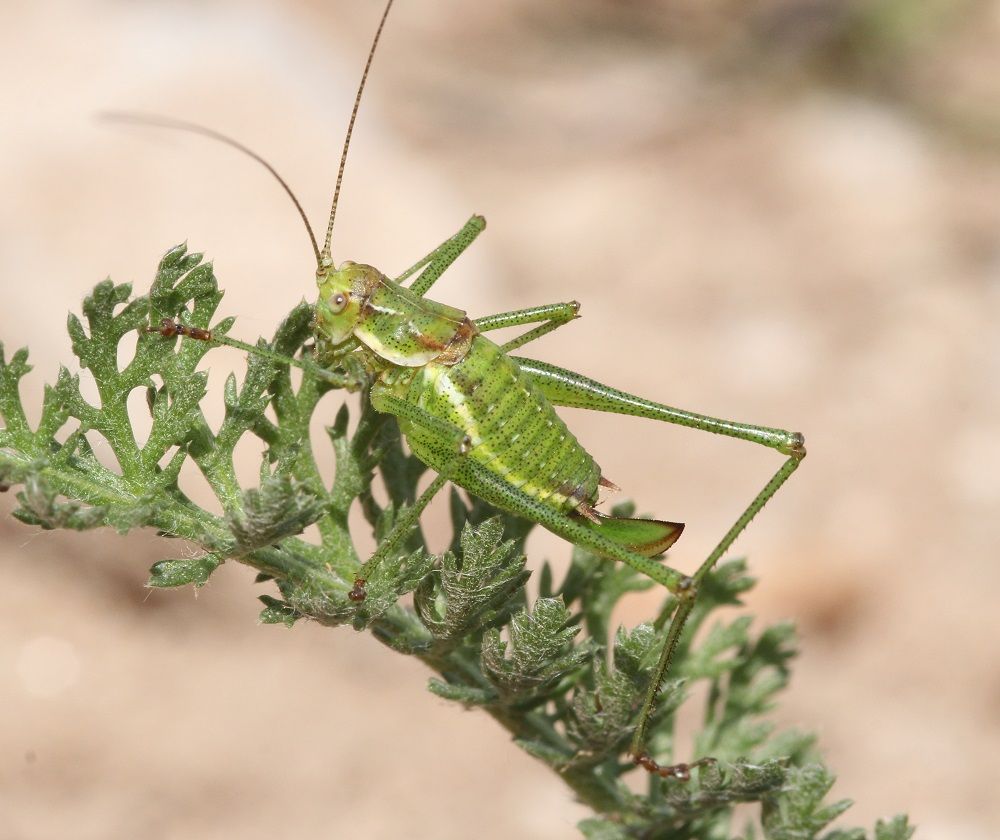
(783, 212)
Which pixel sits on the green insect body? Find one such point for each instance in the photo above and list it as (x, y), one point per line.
(484, 419)
(397, 325)
(477, 418)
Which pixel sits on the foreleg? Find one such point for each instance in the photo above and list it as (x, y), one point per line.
(452, 438)
(438, 260)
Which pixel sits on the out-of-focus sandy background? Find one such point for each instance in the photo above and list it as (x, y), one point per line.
(784, 212)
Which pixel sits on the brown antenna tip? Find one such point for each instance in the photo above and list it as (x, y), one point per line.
(325, 256)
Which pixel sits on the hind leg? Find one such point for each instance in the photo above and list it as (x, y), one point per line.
(564, 387)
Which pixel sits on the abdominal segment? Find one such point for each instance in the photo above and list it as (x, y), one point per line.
(512, 430)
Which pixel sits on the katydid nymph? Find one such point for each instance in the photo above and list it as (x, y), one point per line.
(486, 420)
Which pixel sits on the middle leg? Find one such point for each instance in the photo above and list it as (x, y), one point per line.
(552, 316)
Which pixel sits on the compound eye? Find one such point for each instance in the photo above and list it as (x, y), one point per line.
(337, 303)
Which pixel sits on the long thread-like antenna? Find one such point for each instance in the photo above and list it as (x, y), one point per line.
(322, 258)
(195, 128)
(325, 257)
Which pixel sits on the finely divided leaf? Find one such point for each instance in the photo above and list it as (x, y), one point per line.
(543, 669)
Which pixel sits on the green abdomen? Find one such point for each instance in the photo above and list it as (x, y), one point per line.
(513, 430)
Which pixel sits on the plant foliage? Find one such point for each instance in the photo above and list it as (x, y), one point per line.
(553, 671)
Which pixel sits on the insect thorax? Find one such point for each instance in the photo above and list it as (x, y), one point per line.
(397, 325)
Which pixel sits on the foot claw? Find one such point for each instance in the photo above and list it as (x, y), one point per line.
(681, 772)
(358, 593)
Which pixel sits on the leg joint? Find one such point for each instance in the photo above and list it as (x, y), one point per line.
(795, 446)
